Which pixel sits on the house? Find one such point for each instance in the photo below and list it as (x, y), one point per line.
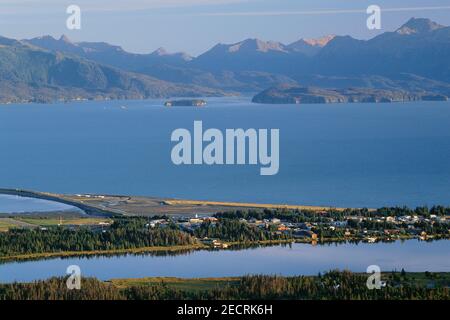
(442, 219)
(155, 223)
(214, 243)
(391, 231)
(305, 226)
(339, 224)
(282, 227)
(208, 241)
(423, 235)
(356, 219)
(275, 221)
(195, 220)
(371, 239)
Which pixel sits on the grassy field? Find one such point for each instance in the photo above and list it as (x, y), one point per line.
(5, 225)
(246, 205)
(421, 279)
(35, 221)
(188, 284)
(54, 221)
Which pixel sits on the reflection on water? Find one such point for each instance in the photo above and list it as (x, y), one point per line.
(288, 259)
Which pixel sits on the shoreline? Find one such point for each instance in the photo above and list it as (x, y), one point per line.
(71, 254)
(193, 247)
(110, 205)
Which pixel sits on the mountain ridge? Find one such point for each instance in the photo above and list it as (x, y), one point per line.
(32, 74)
(418, 49)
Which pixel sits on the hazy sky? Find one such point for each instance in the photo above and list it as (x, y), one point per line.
(194, 26)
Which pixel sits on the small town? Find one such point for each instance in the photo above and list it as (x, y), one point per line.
(353, 227)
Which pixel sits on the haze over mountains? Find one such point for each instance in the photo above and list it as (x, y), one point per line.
(415, 57)
(31, 73)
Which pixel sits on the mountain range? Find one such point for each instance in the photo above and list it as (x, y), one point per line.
(413, 58)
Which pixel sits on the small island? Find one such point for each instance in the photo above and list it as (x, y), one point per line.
(185, 103)
(294, 94)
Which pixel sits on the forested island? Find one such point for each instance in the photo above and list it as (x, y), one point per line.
(294, 94)
(185, 103)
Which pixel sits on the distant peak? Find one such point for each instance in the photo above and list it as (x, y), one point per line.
(418, 25)
(46, 37)
(160, 52)
(256, 44)
(319, 42)
(310, 46)
(64, 38)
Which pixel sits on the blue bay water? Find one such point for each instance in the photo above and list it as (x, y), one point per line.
(365, 155)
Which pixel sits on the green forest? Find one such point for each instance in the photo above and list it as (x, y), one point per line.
(124, 233)
(313, 216)
(334, 285)
(236, 231)
(129, 233)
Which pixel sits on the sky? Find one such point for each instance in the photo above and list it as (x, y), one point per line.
(194, 26)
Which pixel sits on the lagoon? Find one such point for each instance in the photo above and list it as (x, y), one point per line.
(15, 205)
(296, 259)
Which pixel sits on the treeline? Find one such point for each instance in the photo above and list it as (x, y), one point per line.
(124, 233)
(284, 214)
(437, 228)
(56, 289)
(234, 230)
(334, 285)
(299, 216)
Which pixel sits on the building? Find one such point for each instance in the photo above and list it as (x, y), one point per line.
(214, 243)
(305, 234)
(275, 221)
(195, 220)
(282, 227)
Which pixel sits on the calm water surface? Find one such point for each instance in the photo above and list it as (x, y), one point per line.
(340, 155)
(15, 204)
(282, 260)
